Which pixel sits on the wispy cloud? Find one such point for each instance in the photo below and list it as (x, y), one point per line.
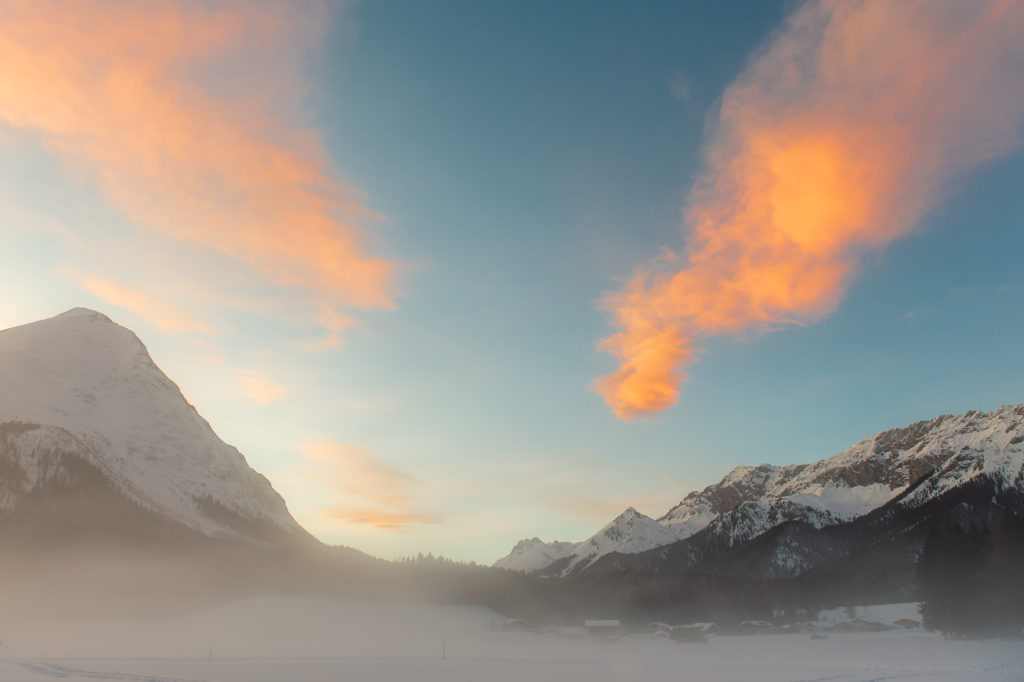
(182, 114)
(160, 314)
(374, 492)
(379, 518)
(259, 389)
(333, 322)
(836, 139)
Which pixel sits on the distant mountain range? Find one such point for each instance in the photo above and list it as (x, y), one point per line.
(97, 443)
(98, 446)
(782, 522)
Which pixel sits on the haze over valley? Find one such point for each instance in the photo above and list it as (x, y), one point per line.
(575, 341)
(130, 529)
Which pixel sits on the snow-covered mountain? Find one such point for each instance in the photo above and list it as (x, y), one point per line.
(534, 554)
(84, 408)
(751, 500)
(628, 532)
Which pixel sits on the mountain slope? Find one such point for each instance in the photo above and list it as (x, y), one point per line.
(944, 453)
(534, 554)
(630, 531)
(85, 412)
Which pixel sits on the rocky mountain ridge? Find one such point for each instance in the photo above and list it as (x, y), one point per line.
(944, 452)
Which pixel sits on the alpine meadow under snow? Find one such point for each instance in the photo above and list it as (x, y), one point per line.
(325, 640)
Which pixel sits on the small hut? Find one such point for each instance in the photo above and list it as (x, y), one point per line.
(517, 625)
(605, 628)
(753, 627)
(660, 629)
(687, 634)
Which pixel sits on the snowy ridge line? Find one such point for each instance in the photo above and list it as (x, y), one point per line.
(79, 385)
(749, 500)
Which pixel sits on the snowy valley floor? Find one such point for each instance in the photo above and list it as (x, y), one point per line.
(300, 640)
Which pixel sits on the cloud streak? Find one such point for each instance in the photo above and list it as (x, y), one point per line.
(259, 389)
(381, 496)
(160, 314)
(178, 113)
(837, 138)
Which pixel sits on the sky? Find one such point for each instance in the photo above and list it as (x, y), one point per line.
(453, 274)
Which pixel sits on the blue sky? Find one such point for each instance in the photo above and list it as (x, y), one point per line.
(525, 158)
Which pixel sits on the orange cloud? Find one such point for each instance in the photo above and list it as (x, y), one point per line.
(334, 322)
(836, 140)
(385, 496)
(383, 520)
(158, 313)
(176, 112)
(259, 389)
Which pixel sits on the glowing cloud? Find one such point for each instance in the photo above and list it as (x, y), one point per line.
(176, 112)
(259, 389)
(835, 140)
(385, 495)
(334, 322)
(158, 313)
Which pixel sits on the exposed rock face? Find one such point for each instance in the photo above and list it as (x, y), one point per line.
(949, 450)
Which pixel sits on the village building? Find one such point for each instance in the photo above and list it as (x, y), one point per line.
(603, 628)
(517, 625)
(686, 634)
(658, 628)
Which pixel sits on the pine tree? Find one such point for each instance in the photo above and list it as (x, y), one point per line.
(970, 578)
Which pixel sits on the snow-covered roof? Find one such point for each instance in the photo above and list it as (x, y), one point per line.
(602, 623)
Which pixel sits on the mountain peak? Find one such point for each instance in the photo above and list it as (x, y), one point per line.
(533, 554)
(626, 520)
(527, 543)
(89, 392)
(85, 313)
(750, 500)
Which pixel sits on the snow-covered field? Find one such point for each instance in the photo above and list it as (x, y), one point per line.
(304, 640)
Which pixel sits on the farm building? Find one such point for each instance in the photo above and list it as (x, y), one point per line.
(658, 628)
(603, 628)
(517, 625)
(686, 634)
